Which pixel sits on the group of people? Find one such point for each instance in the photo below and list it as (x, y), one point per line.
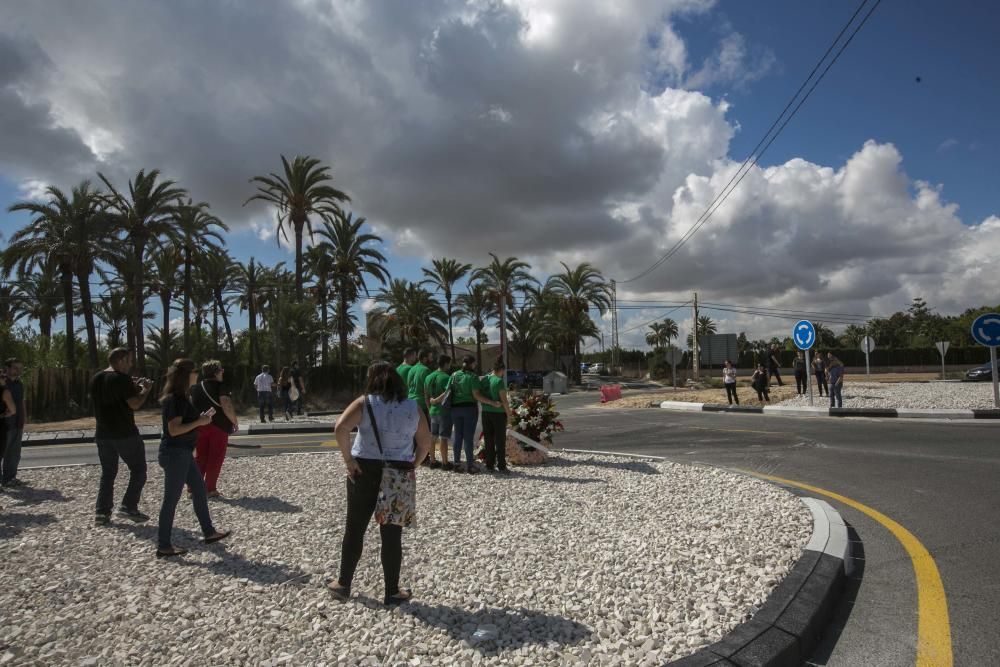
(290, 387)
(198, 416)
(829, 373)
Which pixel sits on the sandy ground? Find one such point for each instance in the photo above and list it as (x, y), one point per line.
(746, 395)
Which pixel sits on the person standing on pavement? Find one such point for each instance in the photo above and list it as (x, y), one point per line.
(15, 425)
(799, 366)
(264, 384)
(774, 365)
(415, 381)
(285, 391)
(409, 358)
(835, 378)
(496, 415)
(116, 396)
(8, 409)
(759, 381)
(180, 434)
(729, 381)
(435, 388)
(299, 382)
(466, 395)
(819, 370)
(213, 439)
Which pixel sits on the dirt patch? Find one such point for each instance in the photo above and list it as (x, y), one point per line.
(746, 395)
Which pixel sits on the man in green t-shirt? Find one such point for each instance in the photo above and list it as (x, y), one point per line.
(466, 394)
(434, 388)
(416, 378)
(409, 358)
(496, 414)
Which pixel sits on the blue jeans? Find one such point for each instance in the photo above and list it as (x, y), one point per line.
(179, 468)
(836, 395)
(464, 420)
(12, 454)
(286, 397)
(265, 399)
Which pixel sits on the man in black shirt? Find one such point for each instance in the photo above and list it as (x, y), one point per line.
(116, 395)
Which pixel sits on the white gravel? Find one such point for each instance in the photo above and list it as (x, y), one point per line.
(908, 395)
(589, 559)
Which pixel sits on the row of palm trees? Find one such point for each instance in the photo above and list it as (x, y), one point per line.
(151, 241)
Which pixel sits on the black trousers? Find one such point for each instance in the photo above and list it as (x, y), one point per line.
(775, 372)
(821, 383)
(132, 451)
(763, 396)
(495, 437)
(362, 495)
(731, 393)
(800, 382)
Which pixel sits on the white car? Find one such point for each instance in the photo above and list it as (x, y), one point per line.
(596, 368)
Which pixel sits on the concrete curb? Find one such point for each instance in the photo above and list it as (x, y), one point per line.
(83, 437)
(787, 628)
(796, 411)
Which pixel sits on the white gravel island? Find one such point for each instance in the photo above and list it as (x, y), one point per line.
(587, 560)
(906, 395)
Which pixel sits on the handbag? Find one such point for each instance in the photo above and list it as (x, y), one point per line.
(397, 493)
(448, 397)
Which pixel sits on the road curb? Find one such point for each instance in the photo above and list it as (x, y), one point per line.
(84, 437)
(805, 411)
(787, 628)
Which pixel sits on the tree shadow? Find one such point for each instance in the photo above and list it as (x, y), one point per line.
(261, 504)
(12, 523)
(513, 628)
(637, 466)
(27, 496)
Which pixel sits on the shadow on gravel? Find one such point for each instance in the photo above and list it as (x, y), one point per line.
(12, 524)
(515, 627)
(562, 480)
(641, 467)
(261, 504)
(27, 496)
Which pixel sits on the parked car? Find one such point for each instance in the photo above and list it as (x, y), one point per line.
(597, 368)
(982, 373)
(516, 379)
(584, 368)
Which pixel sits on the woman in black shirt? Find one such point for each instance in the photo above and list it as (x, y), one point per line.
(180, 433)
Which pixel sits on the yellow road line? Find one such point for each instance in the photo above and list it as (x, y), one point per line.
(933, 626)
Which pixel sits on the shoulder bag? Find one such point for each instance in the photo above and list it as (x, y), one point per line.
(397, 493)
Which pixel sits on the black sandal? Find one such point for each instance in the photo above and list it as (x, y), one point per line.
(219, 535)
(174, 551)
(402, 595)
(339, 591)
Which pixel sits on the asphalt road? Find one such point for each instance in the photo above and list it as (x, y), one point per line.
(937, 479)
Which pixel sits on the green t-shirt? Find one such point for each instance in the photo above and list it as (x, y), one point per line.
(491, 387)
(415, 381)
(434, 385)
(462, 385)
(404, 372)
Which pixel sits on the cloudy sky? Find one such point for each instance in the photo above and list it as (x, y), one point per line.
(553, 130)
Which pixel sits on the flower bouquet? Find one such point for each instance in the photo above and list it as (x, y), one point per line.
(534, 417)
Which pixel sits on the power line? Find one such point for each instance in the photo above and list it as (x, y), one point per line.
(755, 155)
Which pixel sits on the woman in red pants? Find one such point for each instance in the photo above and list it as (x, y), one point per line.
(213, 439)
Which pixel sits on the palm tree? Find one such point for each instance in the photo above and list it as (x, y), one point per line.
(853, 335)
(670, 330)
(319, 265)
(166, 264)
(217, 273)
(476, 307)
(38, 297)
(444, 275)
(352, 260)
(302, 193)
(198, 233)
(410, 311)
(159, 346)
(706, 327)
(73, 231)
(582, 288)
(247, 280)
(113, 310)
(146, 215)
(655, 336)
(502, 279)
(525, 333)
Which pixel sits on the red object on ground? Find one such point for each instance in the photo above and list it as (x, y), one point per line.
(210, 452)
(611, 392)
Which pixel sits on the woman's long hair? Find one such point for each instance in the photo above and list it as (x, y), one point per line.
(283, 375)
(384, 381)
(178, 379)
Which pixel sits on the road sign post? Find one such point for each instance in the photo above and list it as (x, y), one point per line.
(868, 346)
(673, 358)
(942, 348)
(986, 331)
(804, 336)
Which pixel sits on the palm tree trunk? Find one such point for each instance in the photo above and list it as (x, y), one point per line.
(479, 351)
(342, 326)
(67, 284)
(225, 322)
(451, 335)
(139, 304)
(83, 280)
(187, 301)
(325, 317)
(215, 328)
(253, 331)
(298, 259)
(165, 304)
(45, 329)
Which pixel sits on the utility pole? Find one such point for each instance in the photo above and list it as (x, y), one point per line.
(694, 338)
(614, 324)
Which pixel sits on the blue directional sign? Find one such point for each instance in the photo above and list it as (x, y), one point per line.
(804, 334)
(986, 329)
